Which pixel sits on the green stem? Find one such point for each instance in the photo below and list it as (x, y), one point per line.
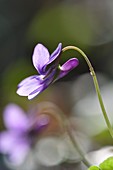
(73, 139)
(66, 129)
(77, 146)
(95, 83)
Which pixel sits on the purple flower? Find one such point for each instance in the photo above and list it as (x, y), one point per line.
(16, 141)
(48, 68)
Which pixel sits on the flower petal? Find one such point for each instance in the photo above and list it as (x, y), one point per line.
(41, 121)
(40, 57)
(45, 82)
(14, 145)
(29, 84)
(56, 53)
(6, 141)
(67, 67)
(19, 152)
(35, 92)
(15, 118)
(53, 57)
(26, 80)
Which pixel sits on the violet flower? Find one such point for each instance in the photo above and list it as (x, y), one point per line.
(16, 141)
(48, 68)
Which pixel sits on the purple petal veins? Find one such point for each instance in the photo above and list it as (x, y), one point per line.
(30, 84)
(40, 57)
(35, 92)
(56, 53)
(53, 57)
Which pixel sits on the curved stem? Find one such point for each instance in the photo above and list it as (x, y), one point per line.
(95, 83)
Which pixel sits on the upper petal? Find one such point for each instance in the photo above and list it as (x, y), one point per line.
(40, 57)
(15, 118)
(67, 67)
(56, 53)
(29, 84)
(52, 58)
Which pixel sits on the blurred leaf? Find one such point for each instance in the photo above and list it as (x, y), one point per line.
(63, 23)
(94, 168)
(11, 77)
(103, 138)
(107, 164)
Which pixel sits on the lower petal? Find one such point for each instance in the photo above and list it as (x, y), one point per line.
(14, 146)
(29, 84)
(6, 141)
(35, 92)
(19, 153)
(46, 82)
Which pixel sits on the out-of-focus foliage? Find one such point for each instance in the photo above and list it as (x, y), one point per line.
(64, 21)
(94, 168)
(106, 165)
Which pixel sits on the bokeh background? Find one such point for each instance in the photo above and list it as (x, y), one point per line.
(87, 24)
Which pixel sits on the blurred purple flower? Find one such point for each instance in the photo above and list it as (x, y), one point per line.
(17, 140)
(48, 68)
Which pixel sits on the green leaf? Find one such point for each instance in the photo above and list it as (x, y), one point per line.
(107, 164)
(94, 168)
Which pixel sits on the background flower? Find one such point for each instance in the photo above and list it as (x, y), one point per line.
(16, 141)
